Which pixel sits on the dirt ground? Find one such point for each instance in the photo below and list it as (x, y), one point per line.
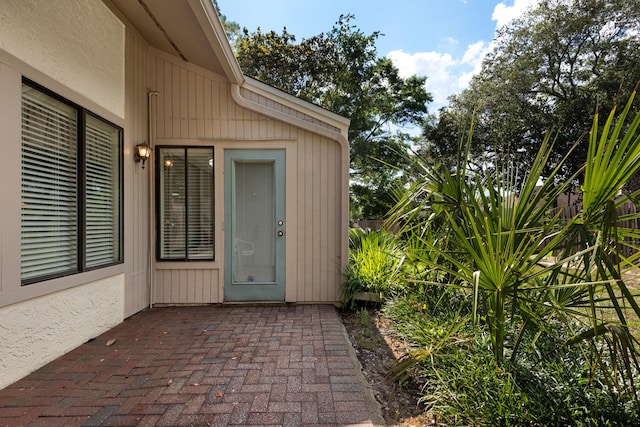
(377, 349)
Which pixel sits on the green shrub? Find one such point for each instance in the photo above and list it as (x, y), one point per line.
(497, 233)
(549, 299)
(375, 262)
(461, 382)
(463, 385)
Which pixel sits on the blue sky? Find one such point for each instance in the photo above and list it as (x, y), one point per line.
(444, 40)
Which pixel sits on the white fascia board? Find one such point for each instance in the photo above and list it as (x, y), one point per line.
(211, 25)
(214, 31)
(298, 104)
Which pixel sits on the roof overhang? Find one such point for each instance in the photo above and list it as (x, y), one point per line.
(189, 29)
(298, 104)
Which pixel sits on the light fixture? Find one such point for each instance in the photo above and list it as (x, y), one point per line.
(142, 153)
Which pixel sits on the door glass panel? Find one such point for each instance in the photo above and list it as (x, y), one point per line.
(254, 225)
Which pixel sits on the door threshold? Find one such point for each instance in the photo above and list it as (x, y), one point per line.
(256, 303)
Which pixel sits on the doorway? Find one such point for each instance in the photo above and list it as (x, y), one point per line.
(254, 184)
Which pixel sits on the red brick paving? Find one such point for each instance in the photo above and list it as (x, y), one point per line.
(216, 365)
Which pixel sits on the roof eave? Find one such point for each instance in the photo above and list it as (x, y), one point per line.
(210, 23)
(298, 104)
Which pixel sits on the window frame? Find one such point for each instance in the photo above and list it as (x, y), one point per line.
(81, 188)
(158, 204)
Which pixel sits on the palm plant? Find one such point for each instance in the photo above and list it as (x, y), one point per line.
(520, 260)
(613, 158)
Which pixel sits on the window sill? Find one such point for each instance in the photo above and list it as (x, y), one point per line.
(39, 289)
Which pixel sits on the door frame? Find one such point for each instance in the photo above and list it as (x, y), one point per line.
(248, 291)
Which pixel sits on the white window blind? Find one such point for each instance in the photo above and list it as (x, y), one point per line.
(172, 203)
(102, 193)
(49, 186)
(186, 203)
(200, 203)
(71, 188)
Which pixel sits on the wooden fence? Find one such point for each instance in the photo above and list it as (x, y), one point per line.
(628, 208)
(375, 224)
(570, 206)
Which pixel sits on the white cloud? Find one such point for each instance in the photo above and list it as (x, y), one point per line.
(452, 41)
(473, 57)
(504, 14)
(475, 53)
(420, 63)
(438, 67)
(446, 74)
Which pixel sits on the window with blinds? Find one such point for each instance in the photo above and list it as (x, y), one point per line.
(185, 203)
(49, 239)
(71, 180)
(102, 193)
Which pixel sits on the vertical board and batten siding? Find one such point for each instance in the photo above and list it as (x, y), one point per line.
(318, 207)
(186, 286)
(137, 180)
(195, 104)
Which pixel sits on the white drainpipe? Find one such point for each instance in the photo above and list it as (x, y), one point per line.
(151, 122)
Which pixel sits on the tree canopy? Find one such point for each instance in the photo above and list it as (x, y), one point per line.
(340, 70)
(550, 70)
(231, 28)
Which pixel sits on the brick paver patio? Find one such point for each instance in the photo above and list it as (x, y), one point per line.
(216, 365)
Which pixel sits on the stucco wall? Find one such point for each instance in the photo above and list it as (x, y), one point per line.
(37, 331)
(78, 43)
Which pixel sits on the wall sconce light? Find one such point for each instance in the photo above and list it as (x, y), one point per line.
(142, 153)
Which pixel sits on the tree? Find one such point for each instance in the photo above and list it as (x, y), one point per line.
(231, 28)
(551, 69)
(341, 71)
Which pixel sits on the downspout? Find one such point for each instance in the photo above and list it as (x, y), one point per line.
(150, 132)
